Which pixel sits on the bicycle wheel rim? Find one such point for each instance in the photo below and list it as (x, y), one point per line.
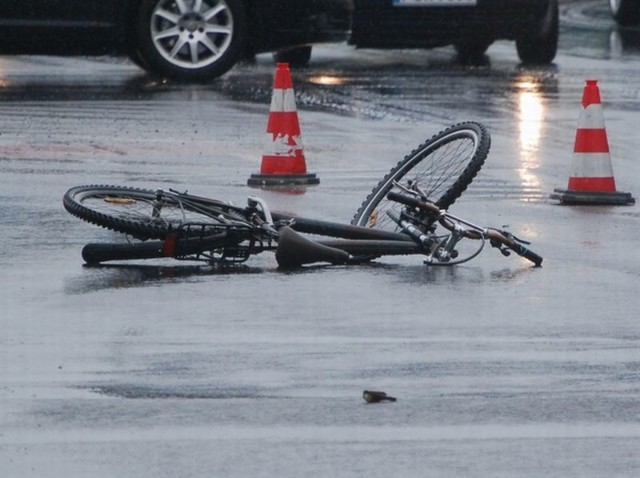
(443, 167)
(134, 211)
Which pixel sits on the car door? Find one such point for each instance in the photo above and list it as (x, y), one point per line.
(380, 23)
(59, 26)
(282, 23)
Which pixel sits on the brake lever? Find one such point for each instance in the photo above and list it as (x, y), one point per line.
(514, 237)
(498, 245)
(416, 187)
(504, 249)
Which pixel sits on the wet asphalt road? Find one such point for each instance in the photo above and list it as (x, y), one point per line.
(500, 369)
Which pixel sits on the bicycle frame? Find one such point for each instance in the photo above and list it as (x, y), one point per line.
(233, 235)
(239, 233)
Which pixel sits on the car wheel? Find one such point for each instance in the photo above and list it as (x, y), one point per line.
(539, 45)
(296, 57)
(625, 12)
(191, 39)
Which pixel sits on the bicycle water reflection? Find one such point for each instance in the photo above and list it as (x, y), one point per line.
(405, 271)
(123, 276)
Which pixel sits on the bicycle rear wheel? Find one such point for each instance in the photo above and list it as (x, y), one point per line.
(142, 213)
(442, 168)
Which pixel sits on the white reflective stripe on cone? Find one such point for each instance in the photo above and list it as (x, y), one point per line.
(591, 165)
(591, 117)
(283, 101)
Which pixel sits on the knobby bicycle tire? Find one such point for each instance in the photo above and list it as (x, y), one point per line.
(133, 211)
(443, 167)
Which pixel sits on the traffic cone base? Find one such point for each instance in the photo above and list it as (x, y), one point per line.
(262, 180)
(593, 198)
(591, 180)
(283, 162)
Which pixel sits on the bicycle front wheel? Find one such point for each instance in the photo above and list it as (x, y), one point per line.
(441, 168)
(142, 213)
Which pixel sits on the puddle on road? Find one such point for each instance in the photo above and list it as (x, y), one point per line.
(133, 391)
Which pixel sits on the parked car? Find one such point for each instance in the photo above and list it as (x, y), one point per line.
(470, 25)
(194, 39)
(625, 12)
(180, 38)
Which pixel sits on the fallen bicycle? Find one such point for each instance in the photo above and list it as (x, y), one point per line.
(405, 214)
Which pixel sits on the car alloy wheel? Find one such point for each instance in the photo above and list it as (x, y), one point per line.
(191, 38)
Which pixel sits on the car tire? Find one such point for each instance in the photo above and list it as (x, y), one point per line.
(539, 45)
(177, 44)
(296, 57)
(625, 12)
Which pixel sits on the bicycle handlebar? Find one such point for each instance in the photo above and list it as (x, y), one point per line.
(497, 238)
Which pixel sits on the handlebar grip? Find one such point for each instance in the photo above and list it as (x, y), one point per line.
(404, 199)
(526, 253)
(410, 201)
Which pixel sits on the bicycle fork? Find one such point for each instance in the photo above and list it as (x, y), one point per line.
(438, 251)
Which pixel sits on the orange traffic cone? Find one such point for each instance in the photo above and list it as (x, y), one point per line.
(283, 162)
(591, 180)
